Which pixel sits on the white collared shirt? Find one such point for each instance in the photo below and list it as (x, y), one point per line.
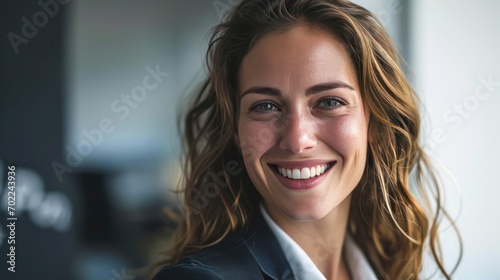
(302, 265)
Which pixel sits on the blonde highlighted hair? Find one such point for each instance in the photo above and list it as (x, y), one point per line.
(388, 222)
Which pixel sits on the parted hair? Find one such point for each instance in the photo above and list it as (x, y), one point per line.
(395, 208)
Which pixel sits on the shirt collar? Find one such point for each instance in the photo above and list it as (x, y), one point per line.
(359, 266)
(302, 265)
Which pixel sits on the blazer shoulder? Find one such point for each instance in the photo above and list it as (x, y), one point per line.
(189, 269)
(229, 259)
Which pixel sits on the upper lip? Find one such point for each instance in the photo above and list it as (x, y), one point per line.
(300, 164)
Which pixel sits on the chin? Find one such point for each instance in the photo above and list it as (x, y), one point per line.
(306, 213)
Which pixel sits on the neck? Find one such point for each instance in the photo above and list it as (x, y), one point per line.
(321, 239)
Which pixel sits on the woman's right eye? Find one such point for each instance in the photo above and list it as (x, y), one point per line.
(264, 107)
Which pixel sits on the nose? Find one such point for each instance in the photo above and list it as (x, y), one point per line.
(298, 134)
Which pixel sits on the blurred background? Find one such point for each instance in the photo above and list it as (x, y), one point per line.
(90, 90)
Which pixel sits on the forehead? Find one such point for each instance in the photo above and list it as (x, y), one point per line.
(297, 57)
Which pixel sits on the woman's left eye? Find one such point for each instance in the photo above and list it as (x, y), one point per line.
(330, 103)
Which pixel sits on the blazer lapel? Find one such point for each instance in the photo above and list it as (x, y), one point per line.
(266, 250)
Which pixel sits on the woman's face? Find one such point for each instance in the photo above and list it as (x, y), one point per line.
(302, 124)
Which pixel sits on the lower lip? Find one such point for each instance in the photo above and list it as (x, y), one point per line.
(302, 184)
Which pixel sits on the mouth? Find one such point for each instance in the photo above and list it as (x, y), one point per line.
(302, 173)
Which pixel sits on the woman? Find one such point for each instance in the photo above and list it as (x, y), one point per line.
(299, 151)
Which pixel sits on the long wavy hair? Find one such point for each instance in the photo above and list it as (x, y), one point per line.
(392, 222)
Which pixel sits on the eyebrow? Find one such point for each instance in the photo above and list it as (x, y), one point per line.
(310, 91)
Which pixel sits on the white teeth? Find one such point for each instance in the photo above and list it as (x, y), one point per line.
(304, 173)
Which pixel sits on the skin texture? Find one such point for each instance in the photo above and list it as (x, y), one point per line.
(282, 121)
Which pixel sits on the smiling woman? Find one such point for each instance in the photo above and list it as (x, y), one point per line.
(316, 154)
(317, 103)
(308, 97)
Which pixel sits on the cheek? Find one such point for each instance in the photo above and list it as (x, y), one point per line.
(347, 135)
(256, 138)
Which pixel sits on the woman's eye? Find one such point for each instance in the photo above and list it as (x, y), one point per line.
(264, 107)
(330, 103)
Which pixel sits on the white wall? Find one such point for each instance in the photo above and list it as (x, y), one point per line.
(455, 48)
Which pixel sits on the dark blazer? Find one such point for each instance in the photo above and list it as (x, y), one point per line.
(252, 254)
